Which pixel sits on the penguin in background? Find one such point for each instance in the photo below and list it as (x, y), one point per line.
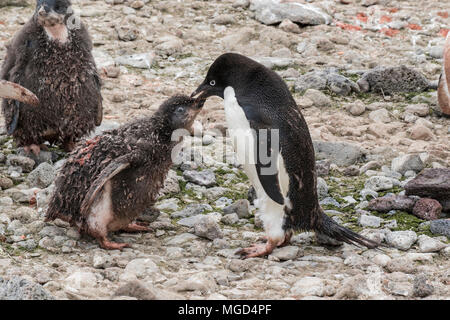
(260, 110)
(52, 57)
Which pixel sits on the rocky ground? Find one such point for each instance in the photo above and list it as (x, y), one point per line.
(380, 141)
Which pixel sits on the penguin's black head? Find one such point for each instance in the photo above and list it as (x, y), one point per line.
(180, 111)
(50, 13)
(230, 69)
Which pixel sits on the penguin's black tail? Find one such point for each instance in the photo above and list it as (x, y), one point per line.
(332, 229)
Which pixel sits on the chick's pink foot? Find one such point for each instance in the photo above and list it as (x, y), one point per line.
(134, 227)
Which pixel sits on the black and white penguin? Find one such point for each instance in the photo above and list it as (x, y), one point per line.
(273, 143)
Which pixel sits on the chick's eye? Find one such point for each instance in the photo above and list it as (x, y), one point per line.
(212, 83)
(180, 110)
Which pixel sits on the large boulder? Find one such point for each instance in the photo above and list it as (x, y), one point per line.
(432, 183)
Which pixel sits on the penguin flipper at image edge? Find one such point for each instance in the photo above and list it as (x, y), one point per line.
(114, 168)
(99, 117)
(266, 159)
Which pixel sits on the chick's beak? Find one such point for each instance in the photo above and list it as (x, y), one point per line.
(9, 90)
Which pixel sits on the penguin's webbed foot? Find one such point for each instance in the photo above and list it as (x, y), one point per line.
(108, 245)
(134, 227)
(257, 250)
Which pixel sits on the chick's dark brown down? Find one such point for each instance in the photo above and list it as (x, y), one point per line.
(109, 180)
(51, 57)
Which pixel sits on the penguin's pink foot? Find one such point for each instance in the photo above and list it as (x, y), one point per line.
(32, 148)
(286, 241)
(134, 227)
(108, 245)
(257, 250)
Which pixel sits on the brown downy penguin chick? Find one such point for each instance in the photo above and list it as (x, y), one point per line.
(444, 81)
(109, 180)
(51, 56)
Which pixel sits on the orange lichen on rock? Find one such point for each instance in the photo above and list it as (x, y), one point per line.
(385, 19)
(413, 26)
(346, 26)
(362, 17)
(389, 32)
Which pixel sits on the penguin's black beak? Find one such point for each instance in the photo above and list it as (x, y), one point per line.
(9, 90)
(203, 89)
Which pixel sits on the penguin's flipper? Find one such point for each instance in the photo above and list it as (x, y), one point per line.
(267, 151)
(99, 117)
(267, 164)
(15, 118)
(107, 174)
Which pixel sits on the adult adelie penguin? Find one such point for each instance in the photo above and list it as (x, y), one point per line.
(109, 180)
(51, 57)
(263, 116)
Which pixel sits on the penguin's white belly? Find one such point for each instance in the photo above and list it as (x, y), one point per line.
(271, 213)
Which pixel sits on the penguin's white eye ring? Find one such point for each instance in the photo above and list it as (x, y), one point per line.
(180, 110)
(212, 83)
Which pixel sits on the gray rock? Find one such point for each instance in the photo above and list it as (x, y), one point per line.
(340, 153)
(143, 291)
(208, 228)
(192, 210)
(140, 60)
(394, 202)
(205, 178)
(286, 253)
(402, 240)
(311, 286)
(407, 162)
(437, 52)
(141, 268)
(240, 207)
(378, 183)
(393, 79)
(380, 115)
(14, 3)
(190, 221)
(433, 183)
(370, 221)
(25, 163)
(427, 244)
(322, 188)
(274, 62)
(181, 239)
(421, 288)
(330, 201)
(18, 288)
(52, 231)
(441, 226)
(272, 12)
(42, 176)
(230, 219)
(318, 98)
(326, 79)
